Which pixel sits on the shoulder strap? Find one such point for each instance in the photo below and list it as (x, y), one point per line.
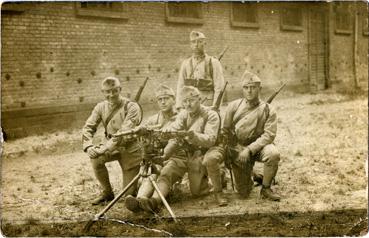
(111, 115)
(260, 115)
(234, 113)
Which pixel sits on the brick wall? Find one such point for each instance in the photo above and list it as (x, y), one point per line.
(53, 59)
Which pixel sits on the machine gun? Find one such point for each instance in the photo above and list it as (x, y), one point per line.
(148, 139)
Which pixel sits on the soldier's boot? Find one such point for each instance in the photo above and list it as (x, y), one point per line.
(258, 178)
(146, 190)
(270, 170)
(101, 173)
(223, 177)
(132, 204)
(267, 192)
(106, 196)
(150, 205)
(220, 199)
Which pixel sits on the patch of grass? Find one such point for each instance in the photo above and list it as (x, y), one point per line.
(31, 220)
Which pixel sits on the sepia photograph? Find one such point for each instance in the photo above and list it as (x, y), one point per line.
(184, 118)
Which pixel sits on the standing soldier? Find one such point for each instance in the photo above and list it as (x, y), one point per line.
(253, 124)
(201, 125)
(116, 113)
(166, 100)
(201, 71)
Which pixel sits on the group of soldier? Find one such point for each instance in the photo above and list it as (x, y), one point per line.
(245, 135)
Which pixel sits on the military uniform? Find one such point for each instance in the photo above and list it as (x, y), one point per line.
(203, 72)
(251, 125)
(127, 117)
(255, 127)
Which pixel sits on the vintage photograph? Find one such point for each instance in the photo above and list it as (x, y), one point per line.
(184, 119)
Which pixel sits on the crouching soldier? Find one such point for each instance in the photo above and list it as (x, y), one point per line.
(201, 127)
(116, 113)
(253, 124)
(166, 101)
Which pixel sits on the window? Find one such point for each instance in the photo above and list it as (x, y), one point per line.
(244, 14)
(184, 12)
(291, 19)
(343, 19)
(102, 9)
(13, 7)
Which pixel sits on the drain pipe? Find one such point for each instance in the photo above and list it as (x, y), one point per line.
(356, 25)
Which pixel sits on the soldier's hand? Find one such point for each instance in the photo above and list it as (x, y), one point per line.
(92, 152)
(244, 156)
(190, 135)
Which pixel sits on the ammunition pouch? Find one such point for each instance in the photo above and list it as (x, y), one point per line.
(201, 84)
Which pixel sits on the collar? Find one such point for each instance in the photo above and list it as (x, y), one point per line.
(252, 104)
(198, 57)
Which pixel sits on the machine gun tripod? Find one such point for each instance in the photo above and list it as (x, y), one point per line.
(148, 140)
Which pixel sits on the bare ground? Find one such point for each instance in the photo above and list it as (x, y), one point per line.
(324, 147)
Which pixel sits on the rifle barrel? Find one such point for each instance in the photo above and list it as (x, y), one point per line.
(270, 99)
(139, 92)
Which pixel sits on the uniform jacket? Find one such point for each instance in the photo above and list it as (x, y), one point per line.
(243, 118)
(127, 117)
(205, 123)
(207, 69)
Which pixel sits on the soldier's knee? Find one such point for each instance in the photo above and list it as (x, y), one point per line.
(98, 162)
(273, 157)
(210, 161)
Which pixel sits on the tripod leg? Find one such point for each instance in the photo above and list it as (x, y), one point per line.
(163, 200)
(100, 214)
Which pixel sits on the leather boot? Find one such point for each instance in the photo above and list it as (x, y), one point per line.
(132, 204)
(258, 178)
(220, 199)
(103, 198)
(267, 192)
(150, 205)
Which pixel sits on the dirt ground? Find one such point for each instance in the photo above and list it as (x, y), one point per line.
(48, 183)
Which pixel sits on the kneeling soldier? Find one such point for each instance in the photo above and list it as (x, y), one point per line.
(166, 100)
(201, 125)
(253, 124)
(116, 113)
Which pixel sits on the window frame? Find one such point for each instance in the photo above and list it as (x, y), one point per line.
(337, 30)
(235, 23)
(16, 7)
(186, 20)
(285, 27)
(123, 14)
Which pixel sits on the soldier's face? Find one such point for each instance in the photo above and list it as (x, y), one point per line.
(251, 91)
(198, 45)
(165, 103)
(192, 104)
(111, 94)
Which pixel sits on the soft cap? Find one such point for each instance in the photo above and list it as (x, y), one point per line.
(195, 35)
(164, 90)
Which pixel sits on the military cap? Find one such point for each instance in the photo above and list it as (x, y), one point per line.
(164, 90)
(195, 35)
(110, 82)
(190, 91)
(250, 78)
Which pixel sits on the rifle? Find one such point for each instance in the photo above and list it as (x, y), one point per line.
(139, 92)
(271, 97)
(220, 96)
(222, 53)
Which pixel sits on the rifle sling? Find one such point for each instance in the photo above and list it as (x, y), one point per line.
(112, 114)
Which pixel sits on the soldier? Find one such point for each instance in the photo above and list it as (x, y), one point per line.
(202, 126)
(166, 100)
(201, 71)
(254, 124)
(116, 113)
